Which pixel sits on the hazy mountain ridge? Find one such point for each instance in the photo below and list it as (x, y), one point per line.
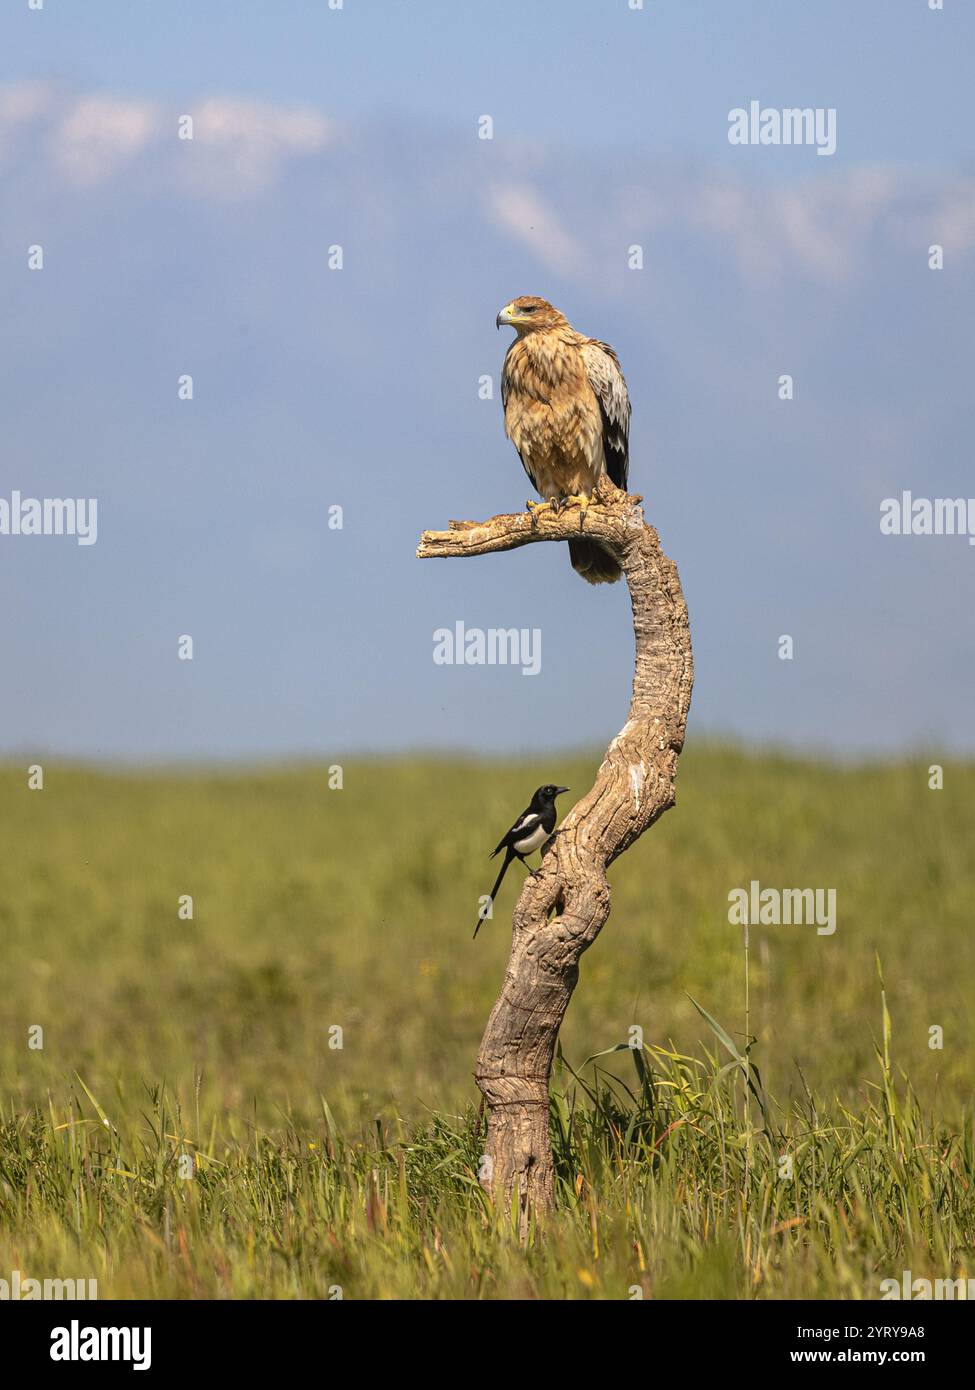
(314, 386)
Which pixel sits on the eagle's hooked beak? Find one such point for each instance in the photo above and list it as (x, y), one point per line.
(505, 316)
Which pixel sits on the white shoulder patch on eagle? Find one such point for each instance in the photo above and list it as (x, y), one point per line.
(607, 381)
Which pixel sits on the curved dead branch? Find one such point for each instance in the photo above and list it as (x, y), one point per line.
(561, 911)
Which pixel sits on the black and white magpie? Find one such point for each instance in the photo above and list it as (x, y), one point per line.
(530, 831)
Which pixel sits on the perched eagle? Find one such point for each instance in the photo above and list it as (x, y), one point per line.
(567, 412)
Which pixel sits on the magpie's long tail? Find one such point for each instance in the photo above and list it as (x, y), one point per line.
(509, 855)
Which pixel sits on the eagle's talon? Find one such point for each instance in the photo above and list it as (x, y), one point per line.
(580, 500)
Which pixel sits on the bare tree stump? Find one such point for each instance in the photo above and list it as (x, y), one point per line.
(634, 786)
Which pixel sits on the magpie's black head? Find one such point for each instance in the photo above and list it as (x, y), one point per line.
(546, 795)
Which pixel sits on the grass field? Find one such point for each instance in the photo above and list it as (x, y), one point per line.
(171, 1044)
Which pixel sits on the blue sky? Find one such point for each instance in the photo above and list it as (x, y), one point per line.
(660, 78)
(359, 388)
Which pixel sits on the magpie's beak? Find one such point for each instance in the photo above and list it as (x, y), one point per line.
(560, 790)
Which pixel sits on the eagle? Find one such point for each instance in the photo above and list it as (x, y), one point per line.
(567, 412)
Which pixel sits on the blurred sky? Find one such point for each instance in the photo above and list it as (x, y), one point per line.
(584, 71)
(359, 387)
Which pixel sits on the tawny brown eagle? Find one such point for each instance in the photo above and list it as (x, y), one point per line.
(567, 412)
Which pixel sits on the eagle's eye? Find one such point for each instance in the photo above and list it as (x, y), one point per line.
(528, 308)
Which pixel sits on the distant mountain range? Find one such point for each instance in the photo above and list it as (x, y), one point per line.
(315, 386)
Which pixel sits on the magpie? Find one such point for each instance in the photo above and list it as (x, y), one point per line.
(530, 831)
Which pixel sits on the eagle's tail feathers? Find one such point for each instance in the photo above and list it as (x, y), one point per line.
(594, 562)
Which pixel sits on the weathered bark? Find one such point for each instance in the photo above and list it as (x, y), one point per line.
(634, 786)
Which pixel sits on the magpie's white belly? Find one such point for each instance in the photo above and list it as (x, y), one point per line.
(533, 841)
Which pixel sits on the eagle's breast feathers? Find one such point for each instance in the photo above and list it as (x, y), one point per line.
(566, 410)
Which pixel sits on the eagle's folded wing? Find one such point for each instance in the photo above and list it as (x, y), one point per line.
(606, 380)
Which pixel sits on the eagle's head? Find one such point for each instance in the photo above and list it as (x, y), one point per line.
(530, 314)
